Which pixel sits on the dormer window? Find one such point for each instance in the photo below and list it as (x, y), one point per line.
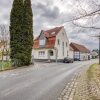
(53, 33)
(42, 42)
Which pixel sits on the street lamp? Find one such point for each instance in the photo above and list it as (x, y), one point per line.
(98, 37)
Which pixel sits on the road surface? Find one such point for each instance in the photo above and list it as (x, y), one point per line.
(39, 82)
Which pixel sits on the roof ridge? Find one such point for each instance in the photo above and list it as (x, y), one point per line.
(80, 47)
(77, 44)
(54, 28)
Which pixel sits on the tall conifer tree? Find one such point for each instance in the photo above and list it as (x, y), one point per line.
(21, 32)
(16, 23)
(28, 29)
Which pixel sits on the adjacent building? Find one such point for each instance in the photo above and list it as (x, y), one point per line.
(71, 52)
(52, 44)
(80, 52)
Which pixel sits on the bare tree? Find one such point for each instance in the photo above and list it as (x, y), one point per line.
(4, 42)
(87, 15)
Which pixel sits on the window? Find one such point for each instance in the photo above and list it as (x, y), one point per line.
(41, 53)
(67, 54)
(63, 48)
(63, 43)
(66, 44)
(42, 42)
(58, 42)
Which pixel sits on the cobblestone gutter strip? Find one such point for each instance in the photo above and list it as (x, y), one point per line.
(69, 90)
(82, 87)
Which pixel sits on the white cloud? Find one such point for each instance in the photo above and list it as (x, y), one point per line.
(49, 13)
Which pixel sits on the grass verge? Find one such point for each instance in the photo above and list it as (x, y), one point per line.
(91, 71)
(6, 65)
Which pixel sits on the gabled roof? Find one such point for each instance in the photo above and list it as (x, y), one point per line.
(79, 48)
(55, 30)
(50, 35)
(71, 49)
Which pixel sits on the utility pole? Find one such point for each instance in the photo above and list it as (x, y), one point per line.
(98, 37)
(99, 50)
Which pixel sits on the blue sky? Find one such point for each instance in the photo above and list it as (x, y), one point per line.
(51, 13)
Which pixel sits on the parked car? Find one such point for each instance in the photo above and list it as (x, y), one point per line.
(68, 60)
(76, 59)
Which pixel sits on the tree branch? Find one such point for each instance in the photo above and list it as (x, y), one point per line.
(92, 27)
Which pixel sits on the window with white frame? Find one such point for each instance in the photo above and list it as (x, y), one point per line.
(66, 44)
(63, 34)
(41, 53)
(63, 48)
(58, 42)
(42, 42)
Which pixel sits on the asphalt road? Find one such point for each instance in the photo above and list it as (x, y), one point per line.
(39, 82)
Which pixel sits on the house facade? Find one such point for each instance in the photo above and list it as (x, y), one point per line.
(80, 52)
(52, 44)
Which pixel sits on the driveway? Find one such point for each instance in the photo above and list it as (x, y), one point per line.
(43, 81)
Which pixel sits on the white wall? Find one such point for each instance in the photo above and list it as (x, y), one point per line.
(84, 56)
(35, 52)
(81, 56)
(71, 54)
(62, 38)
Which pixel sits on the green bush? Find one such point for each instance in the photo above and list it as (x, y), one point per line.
(5, 65)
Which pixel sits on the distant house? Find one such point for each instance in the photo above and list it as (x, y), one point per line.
(94, 55)
(80, 52)
(52, 44)
(4, 51)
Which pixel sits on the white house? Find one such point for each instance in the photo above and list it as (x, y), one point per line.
(80, 52)
(94, 55)
(52, 44)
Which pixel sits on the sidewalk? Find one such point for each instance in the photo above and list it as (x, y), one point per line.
(82, 86)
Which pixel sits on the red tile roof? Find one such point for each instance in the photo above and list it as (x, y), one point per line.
(79, 48)
(71, 49)
(51, 38)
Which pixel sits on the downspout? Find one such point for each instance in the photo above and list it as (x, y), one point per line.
(56, 50)
(79, 56)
